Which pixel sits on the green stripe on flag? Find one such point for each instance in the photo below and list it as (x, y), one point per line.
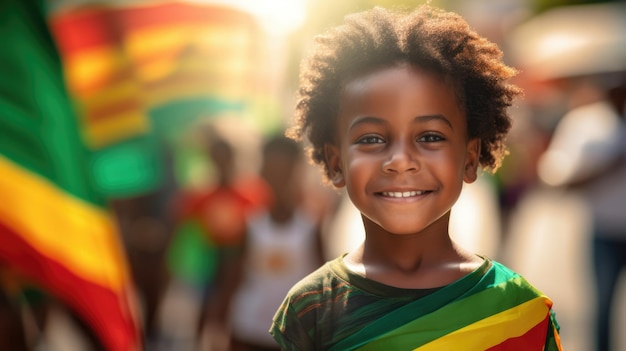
(38, 128)
(463, 312)
(128, 168)
(477, 282)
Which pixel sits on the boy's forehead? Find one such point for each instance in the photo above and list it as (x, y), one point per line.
(387, 78)
(398, 88)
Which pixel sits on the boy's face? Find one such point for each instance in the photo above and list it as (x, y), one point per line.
(402, 149)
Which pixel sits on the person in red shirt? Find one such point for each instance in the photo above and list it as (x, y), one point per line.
(220, 211)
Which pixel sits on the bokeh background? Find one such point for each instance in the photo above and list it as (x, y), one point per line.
(107, 109)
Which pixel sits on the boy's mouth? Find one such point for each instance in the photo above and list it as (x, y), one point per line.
(402, 194)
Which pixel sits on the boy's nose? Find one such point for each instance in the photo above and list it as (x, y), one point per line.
(401, 159)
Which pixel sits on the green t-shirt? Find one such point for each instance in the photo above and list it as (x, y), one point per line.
(336, 309)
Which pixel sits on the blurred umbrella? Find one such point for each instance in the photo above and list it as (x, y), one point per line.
(571, 41)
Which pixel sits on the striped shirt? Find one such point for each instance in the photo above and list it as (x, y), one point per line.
(492, 308)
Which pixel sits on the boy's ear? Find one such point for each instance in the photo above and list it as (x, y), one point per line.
(333, 161)
(472, 161)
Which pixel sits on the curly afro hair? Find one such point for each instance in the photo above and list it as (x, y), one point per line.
(428, 38)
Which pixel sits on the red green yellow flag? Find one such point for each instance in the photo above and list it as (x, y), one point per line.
(121, 62)
(140, 73)
(54, 227)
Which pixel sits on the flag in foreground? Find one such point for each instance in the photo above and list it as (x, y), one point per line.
(54, 227)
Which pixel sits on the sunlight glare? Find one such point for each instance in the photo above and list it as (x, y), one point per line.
(277, 16)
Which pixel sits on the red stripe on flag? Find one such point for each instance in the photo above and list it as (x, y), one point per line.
(84, 29)
(179, 13)
(106, 311)
(94, 85)
(533, 339)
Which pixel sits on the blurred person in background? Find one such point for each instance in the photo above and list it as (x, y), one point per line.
(219, 211)
(282, 245)
(13, 334)
(573, 59)
(27, 314)
(586, 155)
(146, 227)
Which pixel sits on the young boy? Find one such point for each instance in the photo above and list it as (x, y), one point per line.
(401, 110)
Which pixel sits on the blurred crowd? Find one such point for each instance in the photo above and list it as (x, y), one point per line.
(239, 214)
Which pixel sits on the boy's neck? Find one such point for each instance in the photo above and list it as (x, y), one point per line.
(422, 260)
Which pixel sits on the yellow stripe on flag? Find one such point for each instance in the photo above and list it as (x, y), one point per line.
(74, 233)
(157, 52)
(141, 43)
(112, 94)
(226, 37)
(92, 66)
(235, 67)
(157, 96)
(493, 330)
(116, 127)
(154, 52)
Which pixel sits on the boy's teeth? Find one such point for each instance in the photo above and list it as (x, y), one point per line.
(402, 194)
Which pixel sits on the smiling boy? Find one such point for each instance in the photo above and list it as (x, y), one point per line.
(403, 161)
(401, 109)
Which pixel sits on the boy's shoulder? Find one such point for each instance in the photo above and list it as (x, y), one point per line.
(511, 280)
(317, 281)
(320, 285)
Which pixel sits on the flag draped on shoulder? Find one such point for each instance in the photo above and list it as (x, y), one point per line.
(54, 227)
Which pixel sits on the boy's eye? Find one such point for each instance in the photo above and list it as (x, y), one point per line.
(430, 138)
(370, 139)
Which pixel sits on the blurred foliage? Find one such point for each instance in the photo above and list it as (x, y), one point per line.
(539, 6)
